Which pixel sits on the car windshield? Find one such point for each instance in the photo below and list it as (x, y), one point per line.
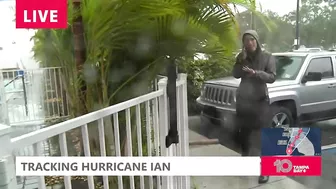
(288, 67)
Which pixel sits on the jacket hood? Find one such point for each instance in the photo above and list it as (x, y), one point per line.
(255, 35)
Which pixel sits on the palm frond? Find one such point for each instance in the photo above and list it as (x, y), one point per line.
(124, 37)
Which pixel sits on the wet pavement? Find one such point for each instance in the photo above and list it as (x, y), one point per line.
(328, 179)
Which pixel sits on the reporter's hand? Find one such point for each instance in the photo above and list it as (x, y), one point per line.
(248, 70)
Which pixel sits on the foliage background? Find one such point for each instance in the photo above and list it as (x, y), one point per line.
(317, 23)
(199, 71)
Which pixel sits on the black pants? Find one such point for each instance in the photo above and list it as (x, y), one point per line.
(242, 138)
(250, 117)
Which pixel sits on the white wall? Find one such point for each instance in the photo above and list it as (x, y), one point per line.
(20, 51)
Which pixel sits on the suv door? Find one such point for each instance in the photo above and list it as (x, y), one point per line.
(319, 96)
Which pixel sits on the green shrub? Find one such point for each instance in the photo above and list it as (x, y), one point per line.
(202, 70)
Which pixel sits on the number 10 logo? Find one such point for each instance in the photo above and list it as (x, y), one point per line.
(279, 164)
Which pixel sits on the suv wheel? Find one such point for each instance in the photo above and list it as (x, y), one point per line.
(281, 117)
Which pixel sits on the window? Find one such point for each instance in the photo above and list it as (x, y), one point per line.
(288, 67)
(322, 65)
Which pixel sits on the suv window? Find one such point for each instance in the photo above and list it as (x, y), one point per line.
(323, 65)
(288, 67)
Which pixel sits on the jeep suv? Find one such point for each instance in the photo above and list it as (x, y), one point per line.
(304, 91)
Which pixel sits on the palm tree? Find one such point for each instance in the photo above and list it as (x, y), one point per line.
(128, 42)
(140, 33)
(79, 49)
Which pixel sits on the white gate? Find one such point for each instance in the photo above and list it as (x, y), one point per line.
(149, 127)
(34, 96)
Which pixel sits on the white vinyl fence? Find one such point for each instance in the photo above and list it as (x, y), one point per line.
(141, 122)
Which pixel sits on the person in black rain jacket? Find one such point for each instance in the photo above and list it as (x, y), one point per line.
(255, 68)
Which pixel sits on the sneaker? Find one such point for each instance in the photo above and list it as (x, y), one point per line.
(245, 153)
(263, 179)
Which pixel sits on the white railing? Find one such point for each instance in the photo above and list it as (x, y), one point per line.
(34, 95)
(151, 131)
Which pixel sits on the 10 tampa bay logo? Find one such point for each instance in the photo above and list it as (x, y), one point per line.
(286, 166)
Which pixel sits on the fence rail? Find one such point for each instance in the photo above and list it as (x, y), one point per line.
(136, 127)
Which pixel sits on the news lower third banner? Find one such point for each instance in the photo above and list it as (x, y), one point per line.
(284, 152)
(291, 152)
(163, 166)
(137, 166)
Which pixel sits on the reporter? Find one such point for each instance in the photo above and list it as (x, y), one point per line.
(255, 68)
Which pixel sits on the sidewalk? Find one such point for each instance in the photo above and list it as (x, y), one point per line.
(231, 182)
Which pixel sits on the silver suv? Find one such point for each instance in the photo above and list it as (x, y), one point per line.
(304, 91)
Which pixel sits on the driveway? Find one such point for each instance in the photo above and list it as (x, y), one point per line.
(328, 129)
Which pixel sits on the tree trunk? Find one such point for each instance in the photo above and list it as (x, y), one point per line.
(80, 53)
(253, 26)
(80, 57)
(109, 135)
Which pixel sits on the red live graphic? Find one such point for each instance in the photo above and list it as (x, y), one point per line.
(291, 166)
(41, 14)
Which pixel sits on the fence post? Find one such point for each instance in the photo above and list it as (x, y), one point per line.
(7, 165)
(184, 126)
(163, 128)
(4, 118)
(184, 112)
